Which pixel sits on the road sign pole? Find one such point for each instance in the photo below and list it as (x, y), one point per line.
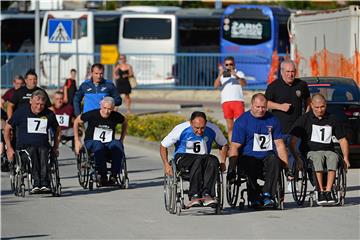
(37, 39)
(59, 52)
(77, 51)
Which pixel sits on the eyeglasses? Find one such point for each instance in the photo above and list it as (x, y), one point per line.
(229, 64)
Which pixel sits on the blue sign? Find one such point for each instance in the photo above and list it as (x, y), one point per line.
(60, 30)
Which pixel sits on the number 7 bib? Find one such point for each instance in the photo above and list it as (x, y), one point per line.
(37, 125)
(103, 135)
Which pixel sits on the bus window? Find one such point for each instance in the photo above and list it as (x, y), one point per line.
(82, 26)
(283, 42)
(13, 36)
(134, 28)
(104, 26)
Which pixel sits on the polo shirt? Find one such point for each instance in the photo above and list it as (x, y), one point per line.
(22, 96)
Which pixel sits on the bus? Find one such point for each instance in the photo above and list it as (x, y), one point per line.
(159, 53)
(255, 35)
(94, 28)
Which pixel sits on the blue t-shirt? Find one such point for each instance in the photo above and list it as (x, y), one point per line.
(32, 129)
(186, 141)
(256, 135)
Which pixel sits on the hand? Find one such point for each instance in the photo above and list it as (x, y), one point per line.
(231, 175)
(77, 146)
(299, 165)
(56, 151)
(168, 170)
(289, 174)
(347, 164)
(285, 107)
(222, 166)
(10, 154)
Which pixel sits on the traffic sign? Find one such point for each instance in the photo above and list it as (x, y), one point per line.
(108, 54)
(60, 30)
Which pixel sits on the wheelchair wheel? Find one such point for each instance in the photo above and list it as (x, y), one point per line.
(83, 168)
(170, 194)
(12, 176)
(123, 177)
(340, 185)
(55, 177)
(299, 184)
(219, 193)
(280, 192)
(232, 192)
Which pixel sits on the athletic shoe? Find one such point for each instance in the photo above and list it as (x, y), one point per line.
(255, 204)
(267, 200)
(321, 198)
(112, 180)
(329, 197)
(45, 189)
(209, 201)
(35, 190)
(195, 201)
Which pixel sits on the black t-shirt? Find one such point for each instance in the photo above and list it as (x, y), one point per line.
(71, 89)
(316, 134)
(22, 96)
(32, 129)
(99, 128)
(280, 92)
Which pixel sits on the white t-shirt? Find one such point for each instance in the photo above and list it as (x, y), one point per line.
(232, 90)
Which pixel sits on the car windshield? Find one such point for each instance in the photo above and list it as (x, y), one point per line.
(338, 93)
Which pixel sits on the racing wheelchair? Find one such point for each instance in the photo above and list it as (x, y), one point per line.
(174, 190)
(233, 188)
(301, 179)
(87, 174)
(20, 173)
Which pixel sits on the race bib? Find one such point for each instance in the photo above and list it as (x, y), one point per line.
(63, 120)
(321, 134)
(195, 147)
(262, 142)
(37, 125)
(103, 135)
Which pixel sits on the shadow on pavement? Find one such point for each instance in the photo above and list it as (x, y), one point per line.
(26, 236)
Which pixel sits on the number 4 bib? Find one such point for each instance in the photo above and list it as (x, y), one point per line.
(37, 125)
(262, 142)
(103, 135)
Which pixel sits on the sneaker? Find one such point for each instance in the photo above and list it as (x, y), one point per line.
(255, 204)
(195, 201)
(102, 181)
(208, 201)
(45, 189)
(329, 197)
(35, 190)
(267, 200)
(321, 198)
(112, 180)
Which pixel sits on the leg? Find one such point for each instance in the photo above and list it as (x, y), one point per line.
(253, 168)
(43, 154)
(99, 154)
(230, 126)
(36, 167)
(317, 160)
(128, 103)
(210, 174)
(117, 155)
(271, 170)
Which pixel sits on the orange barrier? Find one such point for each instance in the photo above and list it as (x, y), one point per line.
(274, 67)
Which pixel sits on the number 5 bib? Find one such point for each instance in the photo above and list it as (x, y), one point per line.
(103, 135)
(262, 142)
(37, 125)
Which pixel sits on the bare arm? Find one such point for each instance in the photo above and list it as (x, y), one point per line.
(294, 152)
(233, 154)
(217, 82)
(7, 137)
(77, 122)
(65, 91)
(123, 131)
(115, 71)
(10, 109)
(131, 72)
(57, 140)
(223, 153)
(282, 152)
(278, 106)
(307, 103)
(344, 145)
(164, 158)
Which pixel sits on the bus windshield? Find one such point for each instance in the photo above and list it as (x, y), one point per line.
(247, 31)
(159, 28)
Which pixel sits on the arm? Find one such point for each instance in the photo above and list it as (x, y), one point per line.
(57, 140)
(223, 153)
(77, 122)
(307, 104)
(115, 72)
(217, 82)
(233, 154)
(282, 153)
(10, 109)
(123, 131)
(164, 157)
(294, 152)
(344, 145)
(114, 94)
(131, 72)
(65, 91)
(7, 137)
(278, 106)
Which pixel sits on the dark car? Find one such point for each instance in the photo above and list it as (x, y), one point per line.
(343, 100)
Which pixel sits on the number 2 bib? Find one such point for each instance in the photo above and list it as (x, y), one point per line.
(63, 120)
(103, 135)
(195, 147)
(321, 134)
(37, 125)
(262, 142)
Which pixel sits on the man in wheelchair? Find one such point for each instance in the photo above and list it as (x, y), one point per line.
(100, 138)
(316, 129)
(254, 135)
(33, 123)
(193, 140)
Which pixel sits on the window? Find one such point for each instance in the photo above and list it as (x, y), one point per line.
(147, 28)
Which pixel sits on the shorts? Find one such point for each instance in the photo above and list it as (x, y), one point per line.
(319, 158)
(233, 109)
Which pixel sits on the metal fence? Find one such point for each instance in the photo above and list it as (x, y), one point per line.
(170, 71)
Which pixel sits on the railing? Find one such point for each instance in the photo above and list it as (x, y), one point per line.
(161, 71)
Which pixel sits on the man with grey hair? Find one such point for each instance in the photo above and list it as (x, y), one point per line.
(100, 138)
(288, 97)
(34, 122)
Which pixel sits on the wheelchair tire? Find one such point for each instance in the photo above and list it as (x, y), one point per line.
(83, 168)
(178, 208)
(91, 185)
(299, 184)
(232, 192)
(22, 190)
(55, 177)
(280, 192)
(220, 190)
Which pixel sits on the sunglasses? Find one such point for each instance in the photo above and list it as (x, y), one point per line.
(229, 64)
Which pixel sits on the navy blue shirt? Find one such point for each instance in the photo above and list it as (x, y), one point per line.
(32, 129)
(256, 135)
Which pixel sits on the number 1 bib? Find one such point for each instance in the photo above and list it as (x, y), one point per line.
(321, 134)
(103, 135)
(37, 125)
(262, 142)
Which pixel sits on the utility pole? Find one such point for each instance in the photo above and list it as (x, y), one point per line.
(37, 38)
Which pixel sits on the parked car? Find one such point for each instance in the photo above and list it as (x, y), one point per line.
(343, 100)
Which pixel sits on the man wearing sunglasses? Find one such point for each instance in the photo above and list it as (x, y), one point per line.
(232, 97)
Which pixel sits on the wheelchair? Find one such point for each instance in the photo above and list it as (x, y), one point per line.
(233, 188)
(87, 174)
(20, 173)
(174, 191)
(300, 183)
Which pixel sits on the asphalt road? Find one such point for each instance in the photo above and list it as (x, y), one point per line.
(138, 212)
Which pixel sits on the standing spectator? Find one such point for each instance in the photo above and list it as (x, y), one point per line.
(70, 88)
(18, 82)
(93, 90)
(22, 95)
(122, 72)
(232, 97)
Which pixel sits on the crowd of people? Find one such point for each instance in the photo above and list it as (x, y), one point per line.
(261, 141)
